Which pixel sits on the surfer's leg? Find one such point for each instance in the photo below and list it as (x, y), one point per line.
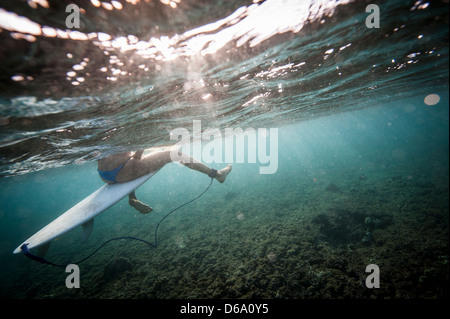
(138, 205)
(191, 163)
(156, 160)
(136, 168)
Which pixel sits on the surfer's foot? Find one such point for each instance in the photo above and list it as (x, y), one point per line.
(222, 174)
(140, 206)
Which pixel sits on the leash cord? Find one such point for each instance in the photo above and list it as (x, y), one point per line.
(27, 253)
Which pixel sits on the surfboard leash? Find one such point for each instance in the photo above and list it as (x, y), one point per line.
(26, 251)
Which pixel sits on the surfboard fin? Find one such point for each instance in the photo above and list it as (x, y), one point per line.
(87, 229)
(43, 249)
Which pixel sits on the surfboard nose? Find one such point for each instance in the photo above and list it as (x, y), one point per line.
(18, 250)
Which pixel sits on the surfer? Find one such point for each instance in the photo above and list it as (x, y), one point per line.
(125, 167)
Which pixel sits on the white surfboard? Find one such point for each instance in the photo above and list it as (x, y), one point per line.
(84, 212)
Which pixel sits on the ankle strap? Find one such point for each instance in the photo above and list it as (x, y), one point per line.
(213, 173)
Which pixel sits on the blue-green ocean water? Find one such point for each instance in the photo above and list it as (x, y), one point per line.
(363, 158)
